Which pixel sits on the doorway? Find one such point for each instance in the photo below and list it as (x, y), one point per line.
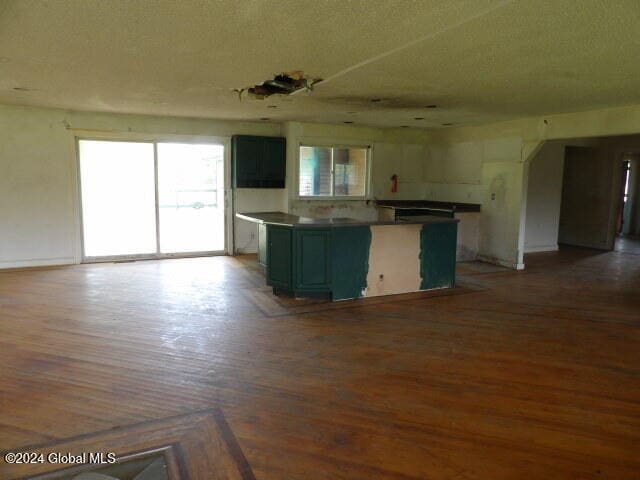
(624, 209)
(151, 199)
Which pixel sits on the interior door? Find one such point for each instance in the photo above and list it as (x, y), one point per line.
(586, 208)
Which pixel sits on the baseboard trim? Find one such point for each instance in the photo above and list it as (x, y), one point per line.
(541, 248)
(37, 262)
(502, 263)
(245, 251)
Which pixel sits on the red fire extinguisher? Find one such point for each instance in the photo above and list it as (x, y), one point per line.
(394, 183)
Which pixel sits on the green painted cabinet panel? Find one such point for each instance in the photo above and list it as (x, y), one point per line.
(438, 255)
(258, 162)
(349, 261)
(273, 165)
(313, 259)
(247, 152)
(279, 268)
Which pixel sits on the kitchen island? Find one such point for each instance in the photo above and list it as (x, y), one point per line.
(344, 258)
(467, 213)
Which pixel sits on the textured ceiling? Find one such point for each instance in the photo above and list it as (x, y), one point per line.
(477, 60)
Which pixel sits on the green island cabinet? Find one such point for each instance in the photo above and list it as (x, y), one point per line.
(317, 261)
(438, 255)
(258, 162)
(346, 258)
(299, 259)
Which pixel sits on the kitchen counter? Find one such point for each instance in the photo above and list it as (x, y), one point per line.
(288, 220)
(468, 214)
(428, 204)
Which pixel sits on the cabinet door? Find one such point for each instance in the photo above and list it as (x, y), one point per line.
(313, 262)
(273, 164)
(438, 243)
(247, 156)
(279, 253)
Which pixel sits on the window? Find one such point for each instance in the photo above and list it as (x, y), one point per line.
(333, 171)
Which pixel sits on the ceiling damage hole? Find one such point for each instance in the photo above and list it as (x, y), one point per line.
(347, 121)
(431, 106)
(285, 83)
(418, 118)
(272, 106)
(264, 118)
(376, 100)
(447, 124)
(22, 89)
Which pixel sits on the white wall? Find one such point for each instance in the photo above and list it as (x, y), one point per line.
(392, 151)
(255, 200)
(37, 196)
(39, 206)
(426, 171)
(507, 151)
(544, 195)
(543, 199)
(545, 187)
(632, 212)
(487, 164)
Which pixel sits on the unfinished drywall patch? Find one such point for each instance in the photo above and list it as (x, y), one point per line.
(394, 260)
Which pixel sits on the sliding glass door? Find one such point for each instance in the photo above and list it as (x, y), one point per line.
(151, 200)
(191, 194)
(118, 198)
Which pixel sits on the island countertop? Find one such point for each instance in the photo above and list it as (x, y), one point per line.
(289, 220)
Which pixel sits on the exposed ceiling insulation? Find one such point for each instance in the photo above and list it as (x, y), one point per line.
(383, 63)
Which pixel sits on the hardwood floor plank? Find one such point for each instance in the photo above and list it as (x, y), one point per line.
(532, 374)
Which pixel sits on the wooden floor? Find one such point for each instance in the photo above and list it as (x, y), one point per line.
(521, 375)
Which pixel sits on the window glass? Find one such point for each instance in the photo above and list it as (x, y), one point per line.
(118, 198)
(350, 171)
(333, 171)
(315, 171)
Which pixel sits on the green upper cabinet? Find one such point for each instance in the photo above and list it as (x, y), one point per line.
(258, 162)
(273, 165)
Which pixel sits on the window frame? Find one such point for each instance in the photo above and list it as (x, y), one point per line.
(332, 146)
